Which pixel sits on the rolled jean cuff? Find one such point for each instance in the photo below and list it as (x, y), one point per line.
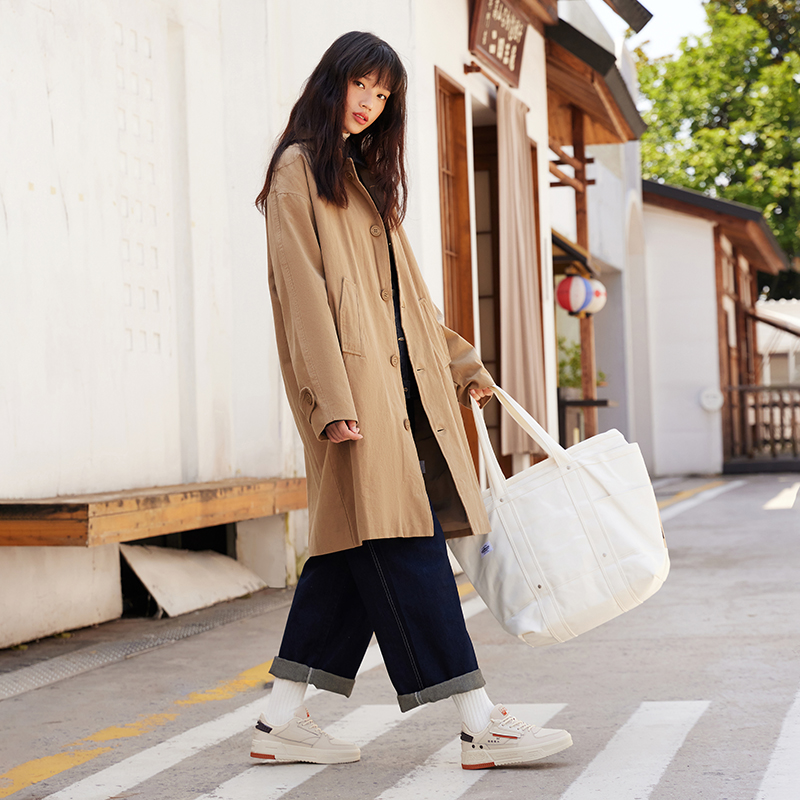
(300, 673)
(463, 683)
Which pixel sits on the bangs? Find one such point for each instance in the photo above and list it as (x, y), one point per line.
(380, 60)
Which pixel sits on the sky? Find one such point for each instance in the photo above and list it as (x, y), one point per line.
(672, 20)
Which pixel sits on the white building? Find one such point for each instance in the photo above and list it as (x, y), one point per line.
(699, 294)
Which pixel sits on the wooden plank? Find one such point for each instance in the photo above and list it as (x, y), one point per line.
(138, 499)
(154, 516)
(722, 342)
(34, 532)
(564, 156)
(572, 82)
(141, 513)
(565, 179)
(621, 126)
(22, 524)
(588, 358)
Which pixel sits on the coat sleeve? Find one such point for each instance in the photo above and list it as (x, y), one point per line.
(465, 365)
(302, 292)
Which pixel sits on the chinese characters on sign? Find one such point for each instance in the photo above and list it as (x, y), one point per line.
(497, 36)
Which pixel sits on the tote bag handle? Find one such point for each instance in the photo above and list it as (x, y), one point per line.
(539, 435)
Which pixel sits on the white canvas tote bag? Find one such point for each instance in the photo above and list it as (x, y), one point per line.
(576, 539)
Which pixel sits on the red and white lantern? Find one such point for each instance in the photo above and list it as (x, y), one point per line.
(576, 294)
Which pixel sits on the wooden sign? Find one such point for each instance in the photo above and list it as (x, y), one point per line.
(497, 37)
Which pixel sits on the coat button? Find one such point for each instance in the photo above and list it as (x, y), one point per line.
(386, 295)
(407, 424)
(395, 361)
(375, 230)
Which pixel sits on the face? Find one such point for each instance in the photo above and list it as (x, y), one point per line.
(364, 103)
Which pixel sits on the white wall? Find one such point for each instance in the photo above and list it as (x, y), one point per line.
(135, 288)
(681, 307)
(44, 590)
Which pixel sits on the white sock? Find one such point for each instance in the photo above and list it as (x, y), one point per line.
(475, 709)
(283, 701)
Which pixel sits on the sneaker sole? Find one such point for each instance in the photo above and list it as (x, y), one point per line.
(289, 755)
(505, 756)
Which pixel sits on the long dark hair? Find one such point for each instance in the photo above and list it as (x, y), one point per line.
(317, 122)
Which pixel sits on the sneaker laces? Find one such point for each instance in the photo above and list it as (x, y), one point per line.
(312, 726)
(517, 725)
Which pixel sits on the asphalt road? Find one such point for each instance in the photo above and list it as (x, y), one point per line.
(694, 695)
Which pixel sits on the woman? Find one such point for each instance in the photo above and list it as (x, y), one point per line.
(374, 382)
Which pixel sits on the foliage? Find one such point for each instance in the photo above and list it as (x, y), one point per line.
(724, 115)
(569, 364)
(780, 19)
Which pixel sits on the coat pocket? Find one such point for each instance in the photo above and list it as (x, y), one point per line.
(349, 319)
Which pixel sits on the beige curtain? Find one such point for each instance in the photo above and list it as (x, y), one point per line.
(521, 350)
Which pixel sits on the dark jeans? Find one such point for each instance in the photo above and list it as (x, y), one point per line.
(401, 589)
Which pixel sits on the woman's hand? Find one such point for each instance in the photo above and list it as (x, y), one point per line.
(342, 431)
(479, 393)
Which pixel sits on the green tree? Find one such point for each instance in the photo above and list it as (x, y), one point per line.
(724, 119)
(780, 19)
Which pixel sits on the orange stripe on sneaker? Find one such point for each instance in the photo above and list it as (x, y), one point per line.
(487, 765)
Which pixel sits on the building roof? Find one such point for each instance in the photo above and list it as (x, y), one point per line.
(633, 12)
(585, 74)
(571, 257)
(744, 225)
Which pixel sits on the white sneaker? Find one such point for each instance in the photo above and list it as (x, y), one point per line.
(508, 740)
(300, 739)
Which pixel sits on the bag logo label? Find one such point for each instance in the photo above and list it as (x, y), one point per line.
(486, 549)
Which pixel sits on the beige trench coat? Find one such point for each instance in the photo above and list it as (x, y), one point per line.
(330, 282)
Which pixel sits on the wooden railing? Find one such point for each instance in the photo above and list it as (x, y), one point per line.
(764, 421)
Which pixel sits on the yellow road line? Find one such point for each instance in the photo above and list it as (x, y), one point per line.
(687, 493)
(41, 769)
(254, 676)
(144, 725)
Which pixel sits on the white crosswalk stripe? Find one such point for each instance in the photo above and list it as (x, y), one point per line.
(782, 778)
(270, 781)
(441, 775)
(633, 762)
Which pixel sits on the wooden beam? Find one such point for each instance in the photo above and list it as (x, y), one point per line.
(89, 520)
(569, 160)
(579, 156)
(778, 325)
(621, 126)
(570, 81)
(588, 361)
(565, 179)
